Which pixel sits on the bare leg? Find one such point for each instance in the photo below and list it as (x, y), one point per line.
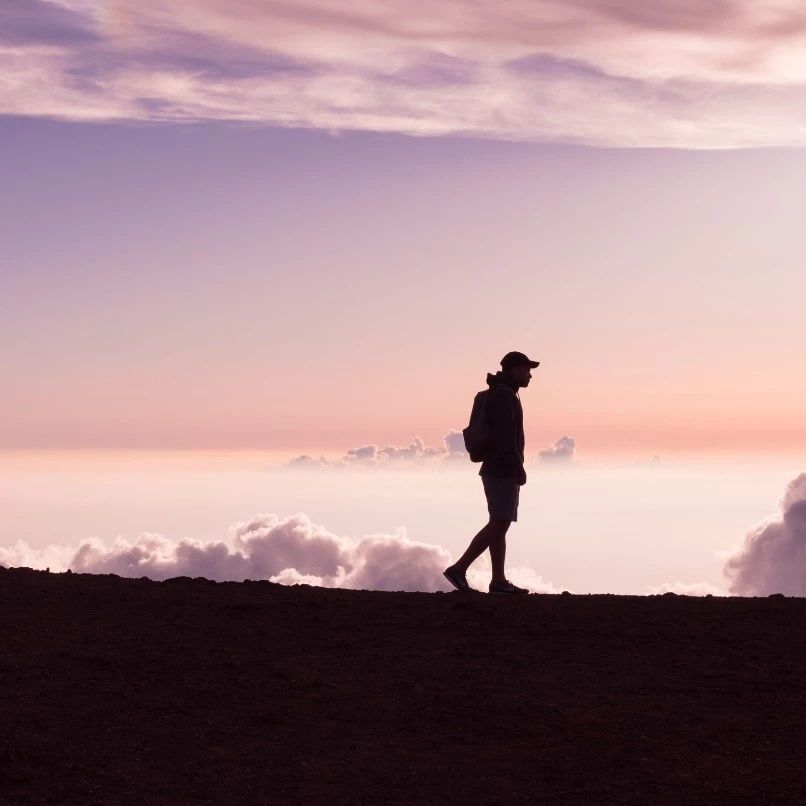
(498, 551)
(493, 534)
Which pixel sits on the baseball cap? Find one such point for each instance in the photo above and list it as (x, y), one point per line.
(516, 359)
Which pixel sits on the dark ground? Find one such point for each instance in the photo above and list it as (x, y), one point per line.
(187, 691)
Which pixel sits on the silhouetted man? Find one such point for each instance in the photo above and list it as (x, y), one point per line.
(502, 472)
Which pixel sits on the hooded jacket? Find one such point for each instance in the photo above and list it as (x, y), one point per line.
(505, 414)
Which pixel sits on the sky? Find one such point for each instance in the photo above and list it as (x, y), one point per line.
(310, 231)
(256, 225)
(200, 285)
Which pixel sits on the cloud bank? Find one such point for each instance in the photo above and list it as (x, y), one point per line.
(773, 556)
(416, 454)
(604, 72)
(289, 551)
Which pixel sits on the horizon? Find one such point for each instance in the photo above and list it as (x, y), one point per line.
(608, 526)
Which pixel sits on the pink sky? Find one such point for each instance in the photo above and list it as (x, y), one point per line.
(221, 233)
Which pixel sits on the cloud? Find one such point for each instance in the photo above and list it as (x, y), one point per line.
(21, 554)
(416, 454)
(417, 451)
(686, 589)
(773, 556)
(34, 22)
(291, 550)
(455, 443)
(367, 454)
(562, 451)
(605, 72)
(455, 452)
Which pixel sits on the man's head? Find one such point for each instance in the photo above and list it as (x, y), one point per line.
(519, 366)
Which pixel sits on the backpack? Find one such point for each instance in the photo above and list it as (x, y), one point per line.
(478, 434)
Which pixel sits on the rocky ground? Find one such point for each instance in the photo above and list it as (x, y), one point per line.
(130, 691)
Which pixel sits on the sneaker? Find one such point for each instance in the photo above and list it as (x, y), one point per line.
(457, 579)
(506, 587)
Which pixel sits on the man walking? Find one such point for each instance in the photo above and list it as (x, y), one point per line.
(502, 472)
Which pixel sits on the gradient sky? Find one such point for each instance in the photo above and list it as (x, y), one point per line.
(303, 229)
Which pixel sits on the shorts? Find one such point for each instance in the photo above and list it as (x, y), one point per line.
(502, 497)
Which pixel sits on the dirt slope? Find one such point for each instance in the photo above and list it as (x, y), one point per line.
(187, 691)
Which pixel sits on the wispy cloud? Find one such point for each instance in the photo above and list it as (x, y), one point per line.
(287, 550)
(610, 72)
